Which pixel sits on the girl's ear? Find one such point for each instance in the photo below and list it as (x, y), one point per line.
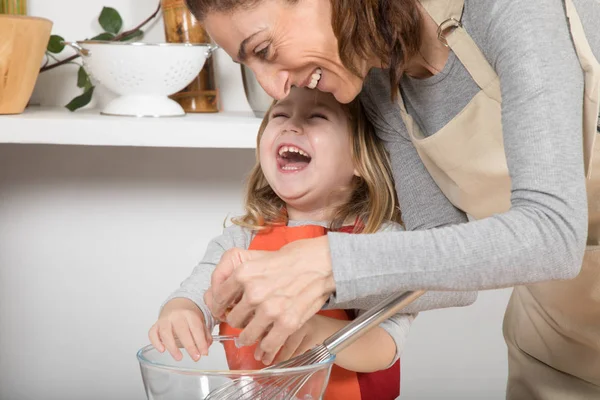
(356, 173)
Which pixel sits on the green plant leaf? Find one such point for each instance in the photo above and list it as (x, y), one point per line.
(83, 79)
(110, 20)
(104, 36)
(82, 100)
(55, 44)
(137, 34)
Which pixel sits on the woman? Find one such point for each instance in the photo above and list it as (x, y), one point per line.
(487, 122)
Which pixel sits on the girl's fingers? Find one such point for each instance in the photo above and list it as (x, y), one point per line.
(165, 333)
(198, 331)
(155, 339)
(182, 331)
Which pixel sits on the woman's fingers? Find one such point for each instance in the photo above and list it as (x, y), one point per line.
(289, 321)
(256, 328)
(289, 348)
(225, 290)
(279, 291)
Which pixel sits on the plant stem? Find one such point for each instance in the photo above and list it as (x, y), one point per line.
(116, 38)
(140, 26)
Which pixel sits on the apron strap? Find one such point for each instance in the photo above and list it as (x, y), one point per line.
(442, 10)
(447, 14)
(591, 69)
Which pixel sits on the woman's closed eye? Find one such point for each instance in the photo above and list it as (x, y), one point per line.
(262, 50)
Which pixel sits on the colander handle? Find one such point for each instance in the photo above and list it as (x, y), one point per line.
(211, 49)
(82, 52)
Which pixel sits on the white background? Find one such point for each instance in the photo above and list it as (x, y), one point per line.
(92, 239)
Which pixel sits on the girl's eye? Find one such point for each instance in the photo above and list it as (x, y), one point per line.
(316, 115)
(278, 115)
(262, 51)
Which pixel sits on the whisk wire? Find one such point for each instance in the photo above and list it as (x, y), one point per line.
(286, 386)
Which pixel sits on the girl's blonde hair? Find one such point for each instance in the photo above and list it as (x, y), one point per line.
(373, 198)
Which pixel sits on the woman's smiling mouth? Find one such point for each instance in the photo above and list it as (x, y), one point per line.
(315, 78)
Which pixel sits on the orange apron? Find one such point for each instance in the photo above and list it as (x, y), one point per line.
(552, 329)
(343, 384)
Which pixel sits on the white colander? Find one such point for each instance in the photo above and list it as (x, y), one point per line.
(143, 74)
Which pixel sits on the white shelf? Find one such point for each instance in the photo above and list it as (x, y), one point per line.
(88, 128)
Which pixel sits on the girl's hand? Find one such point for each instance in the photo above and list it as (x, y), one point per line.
(277, 291)
(181, 321)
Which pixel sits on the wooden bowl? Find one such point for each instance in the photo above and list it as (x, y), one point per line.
(22, 47)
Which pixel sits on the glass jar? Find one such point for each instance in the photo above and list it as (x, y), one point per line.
(202, 95)
(13, 7)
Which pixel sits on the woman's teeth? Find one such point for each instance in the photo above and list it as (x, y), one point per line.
(315, 78)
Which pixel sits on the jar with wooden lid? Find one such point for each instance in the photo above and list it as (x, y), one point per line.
(200, 96)
(13, 7)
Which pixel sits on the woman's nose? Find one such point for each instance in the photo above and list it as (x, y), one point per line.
(275, 82)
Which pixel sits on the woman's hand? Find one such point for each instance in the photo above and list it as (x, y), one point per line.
(305, 338)
(277, 291)
(181, 321)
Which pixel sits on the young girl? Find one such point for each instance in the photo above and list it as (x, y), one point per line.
(320, 167)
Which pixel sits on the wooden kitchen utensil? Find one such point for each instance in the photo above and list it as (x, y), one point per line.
(22, 47)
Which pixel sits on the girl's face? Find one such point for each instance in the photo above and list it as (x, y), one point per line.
(305, 153)
(286, 45)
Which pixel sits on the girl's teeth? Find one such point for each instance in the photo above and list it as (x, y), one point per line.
(286, 149)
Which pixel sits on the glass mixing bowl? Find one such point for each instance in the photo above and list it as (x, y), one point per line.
(167, 379)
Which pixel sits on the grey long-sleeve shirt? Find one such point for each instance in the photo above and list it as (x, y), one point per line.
(397, 326)
(543, 235)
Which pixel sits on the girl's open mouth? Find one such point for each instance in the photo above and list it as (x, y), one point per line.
(291, 158)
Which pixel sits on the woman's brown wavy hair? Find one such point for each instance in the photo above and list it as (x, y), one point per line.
(387, 29)
(373, 197)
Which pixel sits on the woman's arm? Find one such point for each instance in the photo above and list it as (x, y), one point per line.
(543, 235)
(430, 300)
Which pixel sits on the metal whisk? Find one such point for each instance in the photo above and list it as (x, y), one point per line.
(286, 386)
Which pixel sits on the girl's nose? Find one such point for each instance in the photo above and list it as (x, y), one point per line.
(293, 125)
(275, 82)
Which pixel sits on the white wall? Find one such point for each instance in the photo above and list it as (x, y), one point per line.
(93, 239)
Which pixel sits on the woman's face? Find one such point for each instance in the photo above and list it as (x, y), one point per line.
(286, 45)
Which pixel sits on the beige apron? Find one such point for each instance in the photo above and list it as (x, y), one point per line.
(552, 330)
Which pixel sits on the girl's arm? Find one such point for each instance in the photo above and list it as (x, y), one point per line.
(378, 349)
(195, 286)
